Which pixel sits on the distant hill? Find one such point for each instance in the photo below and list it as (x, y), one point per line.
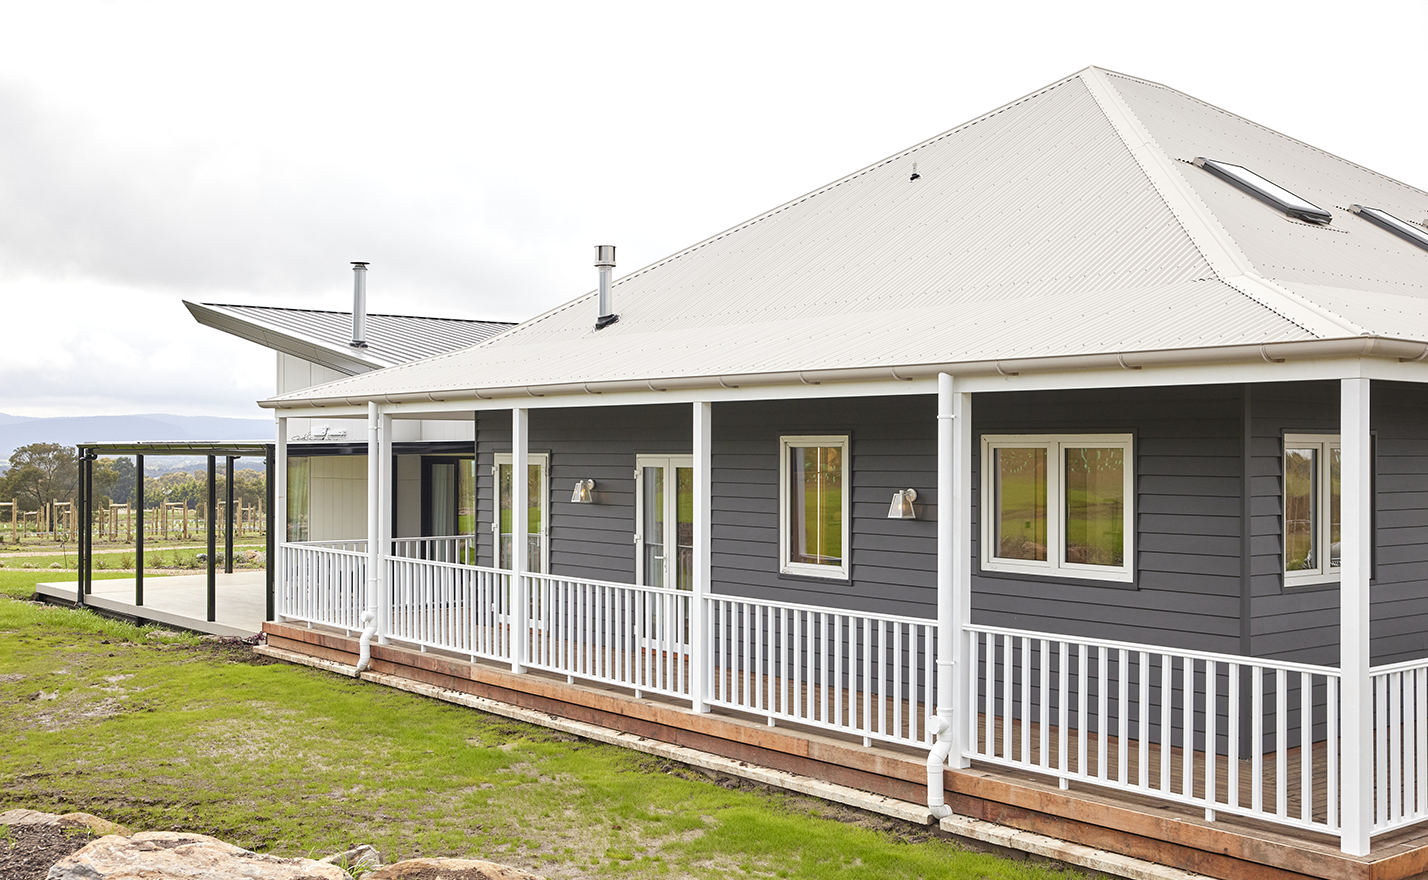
(17, 431)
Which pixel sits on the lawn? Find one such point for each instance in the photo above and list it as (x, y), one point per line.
(161, 733)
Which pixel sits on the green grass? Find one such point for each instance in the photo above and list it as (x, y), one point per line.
(21, 584)
(289, 760)
(153, 558)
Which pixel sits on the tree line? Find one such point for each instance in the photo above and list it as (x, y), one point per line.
(41, 473)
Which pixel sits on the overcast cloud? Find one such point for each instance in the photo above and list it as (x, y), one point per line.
(474, 153)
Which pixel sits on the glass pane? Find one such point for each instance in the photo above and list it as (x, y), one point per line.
(684, 528)
(443, 499)
(1020, 476)
(1301, 515)
(505, 550)
(815, 508)
(298, 481)
(466, 497)
(535, 512)
(652, 528)
(1095, 506)
(1335, 463)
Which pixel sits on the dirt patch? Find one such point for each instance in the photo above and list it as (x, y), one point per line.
(27, 852)
(227, 649)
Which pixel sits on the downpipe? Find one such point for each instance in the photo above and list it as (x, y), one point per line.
(936, 761)
(369, 629)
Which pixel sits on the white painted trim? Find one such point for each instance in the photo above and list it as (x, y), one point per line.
(700, 678)
(670, 538)
(507, 458)
(1055, 565)
(1322, 573)
(842, 571)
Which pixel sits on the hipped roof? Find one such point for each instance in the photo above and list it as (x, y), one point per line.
(1069, 222)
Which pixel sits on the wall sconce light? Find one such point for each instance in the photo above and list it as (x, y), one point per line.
(582, 492)
(902, 505)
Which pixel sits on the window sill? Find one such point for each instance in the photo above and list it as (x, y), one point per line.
(998, 566)
(1058, 578)
(807, 576)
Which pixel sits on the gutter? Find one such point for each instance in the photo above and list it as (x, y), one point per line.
(1272, 352)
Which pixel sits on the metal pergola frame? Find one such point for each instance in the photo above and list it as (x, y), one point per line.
(229, 451)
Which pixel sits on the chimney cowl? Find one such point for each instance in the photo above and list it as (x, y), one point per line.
(359, 304)
(604, 262)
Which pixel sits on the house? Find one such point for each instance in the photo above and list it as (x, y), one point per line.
(1095, 426)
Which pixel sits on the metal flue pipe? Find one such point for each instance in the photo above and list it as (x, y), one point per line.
(604, 262)
(359, 305)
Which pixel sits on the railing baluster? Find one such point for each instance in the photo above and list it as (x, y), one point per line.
(1045, 714)
(1256, 739)
(1306, 747)
(1122, 752)
(1064, 712)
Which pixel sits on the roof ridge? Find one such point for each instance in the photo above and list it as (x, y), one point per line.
(1262, 127)
(1210, 238)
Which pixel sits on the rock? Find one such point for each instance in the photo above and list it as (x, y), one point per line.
(169, 855)
(361, 856)
(56, 565)
(445, 869)
(94, 824)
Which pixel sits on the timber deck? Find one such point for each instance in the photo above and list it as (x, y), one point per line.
(1141, 827)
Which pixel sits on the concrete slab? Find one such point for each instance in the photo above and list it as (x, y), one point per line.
(179, 601)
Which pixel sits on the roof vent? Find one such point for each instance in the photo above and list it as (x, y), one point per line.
(359, 305)
(1400, 228)
(605, 261)
(1266, 191)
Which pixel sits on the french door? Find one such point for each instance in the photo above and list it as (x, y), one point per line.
(664, 521)
(514, 518)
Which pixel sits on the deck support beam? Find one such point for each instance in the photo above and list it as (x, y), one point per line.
(520, 535)
(1356, 693)
(699, 646)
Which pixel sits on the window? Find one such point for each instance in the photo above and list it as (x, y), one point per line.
(1266, 191)
(1407, 231)
(1058, 505)
(813, 506)
(1312, 464)
(664, 521)
(506, 518)
(299, 481)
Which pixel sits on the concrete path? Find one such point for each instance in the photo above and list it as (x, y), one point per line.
(178, 601)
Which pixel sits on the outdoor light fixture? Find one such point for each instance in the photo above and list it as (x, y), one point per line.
(902, 505)
(582, 495)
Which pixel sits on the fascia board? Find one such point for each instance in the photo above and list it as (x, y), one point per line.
(286, 341)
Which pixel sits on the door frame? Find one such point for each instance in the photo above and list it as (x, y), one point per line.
(671, 511)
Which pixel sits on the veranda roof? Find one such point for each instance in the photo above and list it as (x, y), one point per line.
(1070, 222)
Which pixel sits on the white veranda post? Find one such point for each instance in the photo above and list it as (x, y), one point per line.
(384, 528)
(280, 510)
(954, 555)
(699, 646)
(1356, 698)
(374, 482)
(520, 535)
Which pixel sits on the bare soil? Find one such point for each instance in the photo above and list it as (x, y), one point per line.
(27, 852)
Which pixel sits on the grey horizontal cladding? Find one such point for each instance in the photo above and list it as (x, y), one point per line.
(1227, 546)
(1163, 464)
(1189, 525)
(1195, 564)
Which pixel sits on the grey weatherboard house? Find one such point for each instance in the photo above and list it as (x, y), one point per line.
(1155, 374)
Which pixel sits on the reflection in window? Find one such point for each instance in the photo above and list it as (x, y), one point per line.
(814, 501)
(1313, 465)
(1095, 506)
(299, 479)
(1021, 503)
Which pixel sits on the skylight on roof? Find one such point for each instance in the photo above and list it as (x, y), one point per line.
(1266, 191)
(1379, 217)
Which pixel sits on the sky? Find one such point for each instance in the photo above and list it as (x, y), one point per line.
(474, 153)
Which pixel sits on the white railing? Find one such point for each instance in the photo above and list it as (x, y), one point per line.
(449, 548)
(1139, 718)
(323, 585)
(351, 545)
(855, 672)
(620, 634)
(1400, 744)
(458, 608)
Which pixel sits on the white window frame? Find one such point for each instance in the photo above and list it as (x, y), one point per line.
(1323, 573)
(537, 458)
(670, 463)
(832, 572)
(1055, 565)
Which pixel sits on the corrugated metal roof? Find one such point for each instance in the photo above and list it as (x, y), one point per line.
(1033, 231)
(325, 337)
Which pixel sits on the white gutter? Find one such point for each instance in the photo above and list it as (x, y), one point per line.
(1272, 352)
